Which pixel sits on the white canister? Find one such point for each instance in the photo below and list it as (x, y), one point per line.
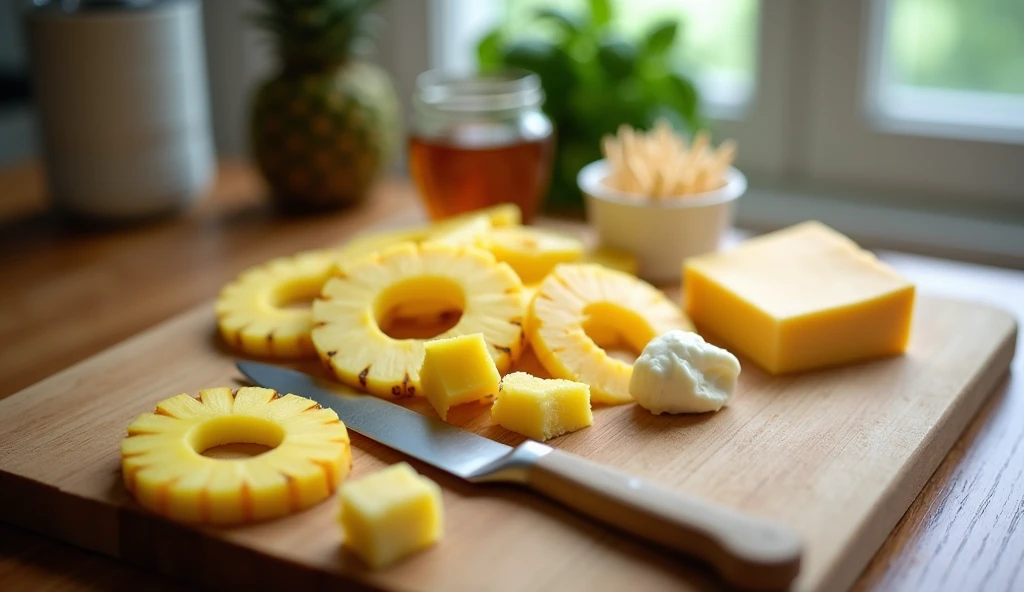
(660, 233)
(121, 94)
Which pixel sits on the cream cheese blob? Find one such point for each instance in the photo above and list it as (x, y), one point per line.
(679, 372)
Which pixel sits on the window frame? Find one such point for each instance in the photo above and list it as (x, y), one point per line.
(848, 144)
(813, 147)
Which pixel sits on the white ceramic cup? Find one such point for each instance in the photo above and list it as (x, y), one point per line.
(660, 233)
(122, 101)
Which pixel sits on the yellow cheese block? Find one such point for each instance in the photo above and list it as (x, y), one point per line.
(531, 252)
(390, 514)
(541, 408)
(801, 298)
(457, 370)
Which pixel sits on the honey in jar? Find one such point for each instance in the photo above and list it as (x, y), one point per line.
(480, 141)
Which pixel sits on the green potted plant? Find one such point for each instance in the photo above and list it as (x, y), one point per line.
(595, 80)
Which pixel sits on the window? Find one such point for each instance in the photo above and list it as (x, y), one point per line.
(719, 39)
(907, 104)
(899, 105)
(949, 69)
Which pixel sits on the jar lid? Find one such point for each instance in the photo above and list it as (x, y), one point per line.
(507, 90)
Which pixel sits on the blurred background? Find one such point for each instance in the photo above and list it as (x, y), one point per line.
(899, 121)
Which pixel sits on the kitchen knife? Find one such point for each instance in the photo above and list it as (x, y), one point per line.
(747, 552)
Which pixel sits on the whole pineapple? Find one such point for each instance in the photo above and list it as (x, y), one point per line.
(326, 123)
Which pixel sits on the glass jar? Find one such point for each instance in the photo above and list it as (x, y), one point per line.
(480, 141)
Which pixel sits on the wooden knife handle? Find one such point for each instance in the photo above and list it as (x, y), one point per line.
(747, 552)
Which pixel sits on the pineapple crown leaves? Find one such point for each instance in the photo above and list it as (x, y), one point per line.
(319, 32)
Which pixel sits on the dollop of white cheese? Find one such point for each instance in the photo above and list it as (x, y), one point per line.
(679, 372)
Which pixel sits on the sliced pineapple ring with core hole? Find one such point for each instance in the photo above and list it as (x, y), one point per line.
(166, 465)
(351, 318)
(607, 325)
(580, 309)
(266, 310)
(403, 312)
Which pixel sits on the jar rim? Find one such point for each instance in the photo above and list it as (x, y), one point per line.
(453, 94)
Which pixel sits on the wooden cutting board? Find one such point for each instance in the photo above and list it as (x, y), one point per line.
(837, 455)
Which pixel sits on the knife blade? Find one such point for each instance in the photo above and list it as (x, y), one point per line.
(748, 552)
(430, 440)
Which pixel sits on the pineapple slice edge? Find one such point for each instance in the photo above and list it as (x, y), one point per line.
(580, 302)
(253, 312)
(164, 469)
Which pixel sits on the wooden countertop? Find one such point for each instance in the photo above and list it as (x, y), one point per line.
(68, 294)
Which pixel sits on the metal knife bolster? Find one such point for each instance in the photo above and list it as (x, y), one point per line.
(514, 467)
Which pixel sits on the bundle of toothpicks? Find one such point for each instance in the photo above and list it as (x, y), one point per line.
(659, 164)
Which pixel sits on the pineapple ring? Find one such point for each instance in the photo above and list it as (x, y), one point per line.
(348, 315)
(164, 469)
(252, 311)
(581, 307)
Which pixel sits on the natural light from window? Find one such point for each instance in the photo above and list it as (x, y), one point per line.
(718, 39)
(949, 68)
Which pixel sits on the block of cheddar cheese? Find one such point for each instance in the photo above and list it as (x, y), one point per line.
(800, 298)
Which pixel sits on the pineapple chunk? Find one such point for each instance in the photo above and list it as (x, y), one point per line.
(371, 242)
(581, 306)
(466, 232)
(390, 514)
(348, 315)
(532, 252)
(254, 312)
(501, 216)
(613, 258)
(541, 408)
(498, 216)
(163, 466)
(458, 370)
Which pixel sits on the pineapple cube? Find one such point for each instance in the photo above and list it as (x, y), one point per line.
(457, 370)
(541, 408)
(390, 514)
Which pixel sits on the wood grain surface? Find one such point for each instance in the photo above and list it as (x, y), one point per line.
(68, 294)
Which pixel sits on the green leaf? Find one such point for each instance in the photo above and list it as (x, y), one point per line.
(679, 93)
(542, 57)
(600, 12)
(660, 39)
(488, 51)
(567, 23)
(617, 57)
(551, 64)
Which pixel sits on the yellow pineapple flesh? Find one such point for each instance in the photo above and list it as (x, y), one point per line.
(579, 305)
(349, 315)
(532, 252)
(365, 244)
(613, 258)
(499, 216)
(466, 232)
(265, 311)
(163, 466)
